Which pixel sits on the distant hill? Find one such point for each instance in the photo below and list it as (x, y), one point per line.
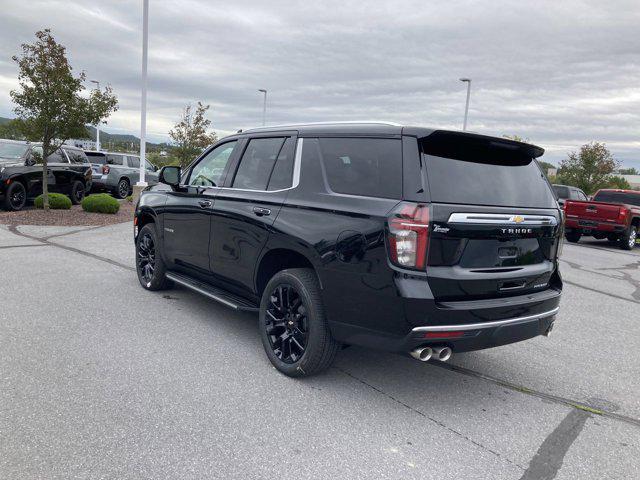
(5, 120)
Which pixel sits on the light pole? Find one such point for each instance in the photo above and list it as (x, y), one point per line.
(264, 106)
(98, 124)
(466, 108)
(143, 107)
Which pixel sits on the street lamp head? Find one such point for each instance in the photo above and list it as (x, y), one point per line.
(95, 81)
(465, 80)
(262, 90)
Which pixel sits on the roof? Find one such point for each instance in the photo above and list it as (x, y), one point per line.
(438, 138)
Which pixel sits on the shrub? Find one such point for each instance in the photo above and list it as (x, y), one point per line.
(57, 201)
(100, 203)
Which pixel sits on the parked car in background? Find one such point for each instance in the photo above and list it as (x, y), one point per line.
(405, 239)
(68, 170)
(567, 192)
(116, 172)
(612, 214)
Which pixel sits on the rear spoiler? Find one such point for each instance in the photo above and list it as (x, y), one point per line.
(478, 148)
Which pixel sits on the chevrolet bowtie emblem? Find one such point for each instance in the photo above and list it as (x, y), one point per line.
(517, 218)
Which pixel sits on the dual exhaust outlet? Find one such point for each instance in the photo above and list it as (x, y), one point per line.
(425, 354)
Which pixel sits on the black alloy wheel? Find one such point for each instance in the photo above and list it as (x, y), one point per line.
(293, 325)
(123, 188)
(286, 324)
(16, 196)
(146, 257)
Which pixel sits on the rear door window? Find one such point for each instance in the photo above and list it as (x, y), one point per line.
(57, 157)
(282, 175)
(133, 162)
(257, 163)
(561, 191)
(485, 183)
(114, 159)
(369, 167)
(76, 156)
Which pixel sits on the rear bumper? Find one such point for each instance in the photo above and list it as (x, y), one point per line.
(463, 326)
(592, 225)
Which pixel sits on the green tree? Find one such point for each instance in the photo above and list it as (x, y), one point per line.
(48, 102)
(617, 182)
(589, 169)
(190, 134)
(12, 130)
(628, 171)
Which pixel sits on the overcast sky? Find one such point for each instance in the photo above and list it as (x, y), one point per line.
(561, 73)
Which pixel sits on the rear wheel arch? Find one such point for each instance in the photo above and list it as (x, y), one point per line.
(276, 260)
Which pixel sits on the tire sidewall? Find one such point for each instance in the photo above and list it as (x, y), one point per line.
(626, 238)
(74, 192)
(158, 280)
(315, 323)
(10, 191)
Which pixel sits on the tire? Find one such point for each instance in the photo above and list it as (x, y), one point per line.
(15, 197)
(573, 236)
(628, 239)
(78, 192)
(150, 267)
(292, 316)
(123, 189)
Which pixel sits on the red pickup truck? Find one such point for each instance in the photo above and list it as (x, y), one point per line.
(612, 214)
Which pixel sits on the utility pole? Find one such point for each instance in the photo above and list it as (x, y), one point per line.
(264, 107)
(98, 124)
(466, 108)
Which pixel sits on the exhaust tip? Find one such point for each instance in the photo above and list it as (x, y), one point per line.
(442, 353)
(422, 353)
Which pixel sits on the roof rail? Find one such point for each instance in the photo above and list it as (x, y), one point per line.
(344, 122)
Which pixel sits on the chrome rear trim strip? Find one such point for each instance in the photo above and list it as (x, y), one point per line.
(502, 219)
(481, 326)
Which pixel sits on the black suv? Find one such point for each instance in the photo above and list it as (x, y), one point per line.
(68, 168)
(399, 238)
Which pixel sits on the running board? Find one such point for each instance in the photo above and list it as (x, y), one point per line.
(219, 295)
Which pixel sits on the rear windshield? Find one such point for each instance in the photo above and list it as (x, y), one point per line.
(481, 182)
(561, 192)
(95, 157)
(13, 151)
(618, 197)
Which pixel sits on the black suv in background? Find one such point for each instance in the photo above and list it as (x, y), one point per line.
(398, 238)
(68, 170)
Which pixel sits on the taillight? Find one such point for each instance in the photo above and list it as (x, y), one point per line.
(622, 215)
(408, 237)
(105, 169)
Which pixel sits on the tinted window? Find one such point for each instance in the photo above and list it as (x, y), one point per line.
(208, 171)
(149, 166)
(95, 157)
(76, 156)
(618, 197)
(363, 166)
(113, 159)
(282, 175)
(57, 157)
(560, 191)
(484, 183)
(133, 162)
(12, 150)
(257, 163)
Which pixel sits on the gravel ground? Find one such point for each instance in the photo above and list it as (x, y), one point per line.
(102, 379)
(74, 217)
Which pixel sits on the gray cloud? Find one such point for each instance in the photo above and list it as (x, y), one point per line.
(560, 73)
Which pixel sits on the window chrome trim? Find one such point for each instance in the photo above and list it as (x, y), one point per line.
(503, 219)
(484, 325)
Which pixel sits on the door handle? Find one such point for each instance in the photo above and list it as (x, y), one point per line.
(205, 203)
(261, 212)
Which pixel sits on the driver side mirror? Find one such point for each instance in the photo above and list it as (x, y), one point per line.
(170, 175)
(30, 162)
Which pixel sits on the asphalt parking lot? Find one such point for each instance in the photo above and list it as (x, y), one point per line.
(101, 379)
